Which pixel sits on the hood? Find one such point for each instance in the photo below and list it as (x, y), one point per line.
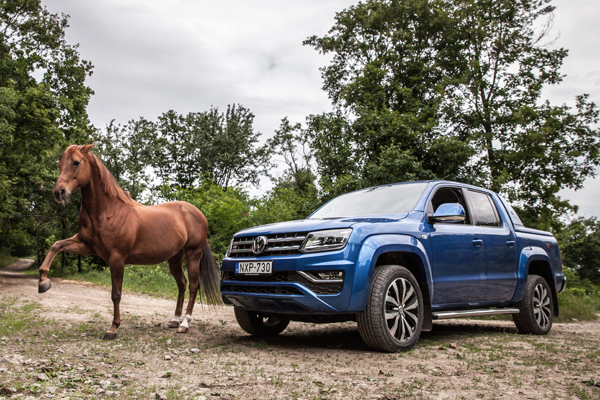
(309, 225)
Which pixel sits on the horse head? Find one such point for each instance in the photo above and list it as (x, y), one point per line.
(75, 171)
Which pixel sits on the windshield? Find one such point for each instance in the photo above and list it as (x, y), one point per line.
(390, 199)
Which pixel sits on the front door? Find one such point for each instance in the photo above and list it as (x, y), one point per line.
(458, 269)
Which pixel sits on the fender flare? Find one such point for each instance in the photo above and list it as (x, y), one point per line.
(527, 256)
(371, 249)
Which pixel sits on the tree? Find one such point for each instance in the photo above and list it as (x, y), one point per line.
(291, 143)
(526, 148)
(220, 146)
(127, 151)
(580, 245)
(386, 79)
(452, 89)
(43, 100)
(295, 195)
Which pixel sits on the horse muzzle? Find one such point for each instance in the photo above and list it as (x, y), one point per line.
(62, 195)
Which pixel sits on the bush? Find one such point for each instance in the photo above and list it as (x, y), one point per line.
(576, 304)
(6, 259)
(581, 299)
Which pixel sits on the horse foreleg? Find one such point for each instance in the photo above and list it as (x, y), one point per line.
(176, 268)
(117, 269)
(72, 245)
(193, 261)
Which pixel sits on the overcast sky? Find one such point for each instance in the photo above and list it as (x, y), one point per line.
(151, 56)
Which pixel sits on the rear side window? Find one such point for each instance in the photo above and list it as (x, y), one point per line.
(484, 209)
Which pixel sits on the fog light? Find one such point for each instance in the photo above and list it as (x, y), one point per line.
(323, 277)
(330, 275)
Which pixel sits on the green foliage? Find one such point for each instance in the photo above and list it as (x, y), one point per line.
(6, 260)
(581, 299)
(580, 245)
(226, 211)
(578, 305)
(38, 117)
(452, 89)
(153, 280)
(220, 145)
(126, 151)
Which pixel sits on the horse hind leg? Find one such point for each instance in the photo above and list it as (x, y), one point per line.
(117, 268)
(176, 268)
(193, 257)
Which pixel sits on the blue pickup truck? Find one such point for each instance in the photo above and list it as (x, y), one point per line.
(394, 258)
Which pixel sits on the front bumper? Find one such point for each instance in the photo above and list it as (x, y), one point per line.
(287, 291)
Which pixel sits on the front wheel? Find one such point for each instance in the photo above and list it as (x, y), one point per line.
(393, 318)
(259, 325)
(536, 309)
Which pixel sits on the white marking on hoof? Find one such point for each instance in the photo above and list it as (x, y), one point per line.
(174, 323)
(186, 322)
(182, 329)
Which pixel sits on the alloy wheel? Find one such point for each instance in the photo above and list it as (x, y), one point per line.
(401, 309)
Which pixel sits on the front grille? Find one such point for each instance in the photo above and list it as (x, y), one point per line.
(283, 276)
(277, 245)
(288, 290)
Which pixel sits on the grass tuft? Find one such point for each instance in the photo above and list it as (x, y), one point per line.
(153, 280)
(6, 260)
(577, 304)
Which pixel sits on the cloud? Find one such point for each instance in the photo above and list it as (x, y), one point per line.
(151, 56)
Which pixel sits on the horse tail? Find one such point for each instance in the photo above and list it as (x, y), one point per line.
(209, 276)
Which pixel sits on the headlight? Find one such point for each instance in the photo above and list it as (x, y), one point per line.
(334, 239)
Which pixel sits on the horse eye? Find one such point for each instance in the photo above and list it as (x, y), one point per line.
(75, 162)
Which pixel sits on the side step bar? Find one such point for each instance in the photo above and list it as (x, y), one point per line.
(472, 313)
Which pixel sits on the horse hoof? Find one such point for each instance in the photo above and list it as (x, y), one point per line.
(44, 286)
(173, 324)
(110, 336)
(182, 329)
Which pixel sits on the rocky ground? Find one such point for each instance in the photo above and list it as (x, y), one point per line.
(51, 347)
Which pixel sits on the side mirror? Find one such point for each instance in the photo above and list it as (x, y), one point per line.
(448, 212)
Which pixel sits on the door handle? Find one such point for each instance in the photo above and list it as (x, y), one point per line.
(510, 243)
(477, 242)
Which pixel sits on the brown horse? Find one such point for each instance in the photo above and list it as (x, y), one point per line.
(122, 231)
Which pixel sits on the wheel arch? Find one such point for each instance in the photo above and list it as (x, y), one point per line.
(403, 250)
(535, 261)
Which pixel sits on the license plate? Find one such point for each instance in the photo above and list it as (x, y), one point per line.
(254, 268)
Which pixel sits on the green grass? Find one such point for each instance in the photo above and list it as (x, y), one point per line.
(578, 304)
(17, 316)
(153, 280)
(6, 260)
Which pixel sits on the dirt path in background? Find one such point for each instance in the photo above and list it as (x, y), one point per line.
(459, 359)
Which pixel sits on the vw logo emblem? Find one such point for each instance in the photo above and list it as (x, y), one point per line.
(259, 244)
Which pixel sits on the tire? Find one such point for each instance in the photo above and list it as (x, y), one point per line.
(259, 325)
(536, 309)
(393, 319)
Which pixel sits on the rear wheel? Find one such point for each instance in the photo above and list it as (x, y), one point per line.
(258, 324)
(393, 319)
(536, 309)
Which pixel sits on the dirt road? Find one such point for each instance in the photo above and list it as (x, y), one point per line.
(51, 347)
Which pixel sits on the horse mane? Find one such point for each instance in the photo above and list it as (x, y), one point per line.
(108, 181)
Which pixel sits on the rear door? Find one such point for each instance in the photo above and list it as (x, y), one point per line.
(499, 246)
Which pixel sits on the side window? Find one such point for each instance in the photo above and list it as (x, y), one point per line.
(484, 209)
(449, 195)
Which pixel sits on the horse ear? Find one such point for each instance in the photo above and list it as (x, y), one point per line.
(86, 148)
